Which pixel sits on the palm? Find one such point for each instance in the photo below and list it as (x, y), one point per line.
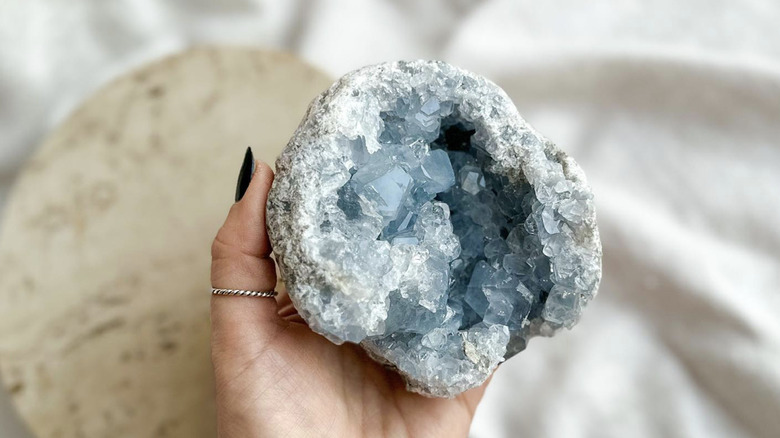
(306, 385)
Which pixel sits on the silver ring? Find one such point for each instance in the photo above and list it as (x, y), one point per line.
(244, 293)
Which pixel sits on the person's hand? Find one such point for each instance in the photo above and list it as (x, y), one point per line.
(275, 377)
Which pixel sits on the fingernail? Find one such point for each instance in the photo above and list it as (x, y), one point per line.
(245, 175)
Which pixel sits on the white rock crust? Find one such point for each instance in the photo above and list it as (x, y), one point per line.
(346, 299)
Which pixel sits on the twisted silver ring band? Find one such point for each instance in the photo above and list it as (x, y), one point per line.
(244, 293)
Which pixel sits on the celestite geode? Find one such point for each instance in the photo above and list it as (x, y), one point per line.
(416, 213)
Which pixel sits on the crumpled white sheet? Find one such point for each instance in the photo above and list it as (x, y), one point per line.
(672, 108)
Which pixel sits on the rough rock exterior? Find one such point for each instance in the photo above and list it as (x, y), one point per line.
(416, 213)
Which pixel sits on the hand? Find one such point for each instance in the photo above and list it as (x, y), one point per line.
(275, 377)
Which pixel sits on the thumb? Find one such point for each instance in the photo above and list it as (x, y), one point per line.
(241, 260)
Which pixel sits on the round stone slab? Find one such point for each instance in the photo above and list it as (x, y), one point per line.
(415, 212)
(104, 252)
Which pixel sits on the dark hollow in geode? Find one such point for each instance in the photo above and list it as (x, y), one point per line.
(415, 212)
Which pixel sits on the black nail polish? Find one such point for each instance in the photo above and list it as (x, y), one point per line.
(245, 175)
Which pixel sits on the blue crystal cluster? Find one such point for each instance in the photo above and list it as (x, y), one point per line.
(432, 186)
(415, 212)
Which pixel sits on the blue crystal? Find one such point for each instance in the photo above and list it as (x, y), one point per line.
(495, 250)
(493, 294)
(548, 219)
(435, 172)
(471, 179)
(405, 240)
(405, 315)
(475, 295)
(521, 307)
(515, 264)
(401, 226)
(499, 309)
(562, 306)
(358, 152)
(430, 107)
(386, 188)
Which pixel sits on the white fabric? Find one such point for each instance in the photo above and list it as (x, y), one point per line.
(672, 108)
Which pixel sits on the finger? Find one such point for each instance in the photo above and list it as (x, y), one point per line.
(473, 396)
(240, 260)
(244, 229)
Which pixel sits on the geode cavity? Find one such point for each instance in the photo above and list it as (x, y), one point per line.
(416, 213)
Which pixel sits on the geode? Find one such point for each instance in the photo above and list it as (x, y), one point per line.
(416, 213)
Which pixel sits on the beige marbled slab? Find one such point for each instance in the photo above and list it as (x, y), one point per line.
(104, 251)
